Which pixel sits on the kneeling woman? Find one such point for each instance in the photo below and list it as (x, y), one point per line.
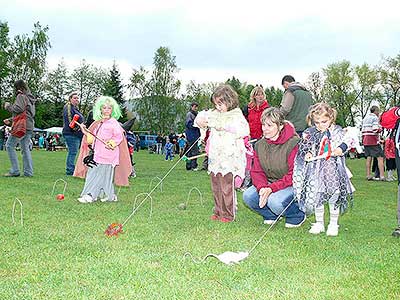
(272, 189)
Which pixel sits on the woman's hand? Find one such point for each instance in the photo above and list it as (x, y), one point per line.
(264, 194)
(338, 152)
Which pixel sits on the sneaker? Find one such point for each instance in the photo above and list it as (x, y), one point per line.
(396, 232)
(316, 228)
(11, 175)
(333, 230)
(270, 222)
(195, 169)
(86, 199)
(214, 217)
(225, 220)
(105, 199)
(290, 225)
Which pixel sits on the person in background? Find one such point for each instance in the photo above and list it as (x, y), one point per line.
(72, 136)
(295, 103)
(253, 111)
(169, 150)
(24, 102)
(371, 141)
(192, 136)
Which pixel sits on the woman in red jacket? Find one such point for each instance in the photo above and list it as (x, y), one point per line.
(254, 109)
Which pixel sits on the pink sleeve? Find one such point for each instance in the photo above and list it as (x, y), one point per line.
(287, 179)
(257, 173)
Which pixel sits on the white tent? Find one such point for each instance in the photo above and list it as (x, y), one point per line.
(54, 130)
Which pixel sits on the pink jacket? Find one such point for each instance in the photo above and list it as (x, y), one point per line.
(122, 170)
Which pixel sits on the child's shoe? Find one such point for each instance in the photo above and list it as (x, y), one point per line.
(316, 228)
(86, 199)
(396, 232)
(214, 218)
(225, 220)
(105, 199)
(333, 230)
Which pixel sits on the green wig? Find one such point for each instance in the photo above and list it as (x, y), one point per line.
(116, 110)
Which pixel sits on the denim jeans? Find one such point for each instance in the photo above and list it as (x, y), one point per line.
(24, 142)
(73, 144)
(277, 202)
(192, 164)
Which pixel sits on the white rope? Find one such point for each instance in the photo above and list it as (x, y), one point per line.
(160, 182)
(55, 183)
(13, 211)
(270, 227)
(200, 195)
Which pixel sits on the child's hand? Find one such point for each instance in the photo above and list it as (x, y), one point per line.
(308, 156)
(202, 122)
(338, 152)
(111, 144)
(264, 194)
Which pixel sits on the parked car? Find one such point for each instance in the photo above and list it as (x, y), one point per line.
(147, 140)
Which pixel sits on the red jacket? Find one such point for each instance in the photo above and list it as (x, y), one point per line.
(258, 176)
(254, 119)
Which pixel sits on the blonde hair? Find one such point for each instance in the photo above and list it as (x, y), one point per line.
(258, 89)
(274, 114)
(228, 96)
(321, 109)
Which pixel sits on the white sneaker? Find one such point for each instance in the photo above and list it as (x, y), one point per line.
(316, 228)
(270, 222)
(105, 199)
(333, 230)
(85, 199)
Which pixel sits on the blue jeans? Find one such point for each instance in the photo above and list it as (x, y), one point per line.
(277, 202)
(73, 144)
(24, 143)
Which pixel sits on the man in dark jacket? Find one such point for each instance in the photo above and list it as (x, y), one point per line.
(73, 136)
(24, 102)
(192, 135)
(295, 103)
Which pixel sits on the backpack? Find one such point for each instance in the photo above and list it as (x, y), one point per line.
(389, 118)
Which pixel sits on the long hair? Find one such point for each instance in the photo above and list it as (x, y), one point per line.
(102, 100)
(258, 89)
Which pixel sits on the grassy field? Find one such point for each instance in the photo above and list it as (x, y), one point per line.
(61, 252)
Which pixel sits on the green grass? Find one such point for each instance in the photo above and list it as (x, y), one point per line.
(62, 253)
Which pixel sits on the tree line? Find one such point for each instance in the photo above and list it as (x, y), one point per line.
(156, 97)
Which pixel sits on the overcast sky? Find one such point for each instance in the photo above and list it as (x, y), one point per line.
(255, 41)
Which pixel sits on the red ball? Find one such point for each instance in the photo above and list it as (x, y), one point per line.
(60, 197)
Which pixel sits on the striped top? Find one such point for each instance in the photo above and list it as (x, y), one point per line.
(370, 130)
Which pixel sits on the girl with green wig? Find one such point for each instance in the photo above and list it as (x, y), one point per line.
(110, 160)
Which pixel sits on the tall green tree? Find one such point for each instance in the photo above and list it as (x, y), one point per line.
(27, 58)
(155, 99)
(389, 73)
(339, 91)
(274, 96)
(113, 87)
(367, 80)
(49, 108)
(88, 81)
(315, 85)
